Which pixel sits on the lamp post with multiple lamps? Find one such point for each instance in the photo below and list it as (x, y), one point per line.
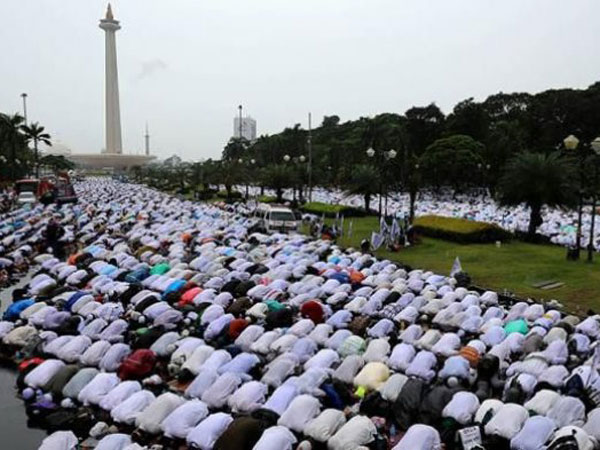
(297, 160)
(571, 143)
(382, 158)
(586, 155)
(595, 144)
(249, 163)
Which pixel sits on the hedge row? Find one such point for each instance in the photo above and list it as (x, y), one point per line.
(267, 199)
(462, 231)
(329, 210)
(233, 195)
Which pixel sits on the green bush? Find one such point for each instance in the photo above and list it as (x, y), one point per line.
(267, 199)
(329, 210)
(234, 195)
(462, 231)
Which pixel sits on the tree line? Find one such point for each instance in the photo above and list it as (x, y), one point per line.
(509, 144)
(19, 149)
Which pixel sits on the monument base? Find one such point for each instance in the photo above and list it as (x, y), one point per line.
(112, 161)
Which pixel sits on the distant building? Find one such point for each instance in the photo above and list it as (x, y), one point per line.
(58, 148)
(172, 161)
(248, 128)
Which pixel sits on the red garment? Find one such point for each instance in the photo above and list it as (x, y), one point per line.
(28, 363)
(138, 365)
(236, 326)
(188, 297)
(313, 310)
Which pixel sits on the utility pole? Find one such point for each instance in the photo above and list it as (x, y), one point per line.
(240, 124)
(147, 141)
(24, 96)
(309, 157)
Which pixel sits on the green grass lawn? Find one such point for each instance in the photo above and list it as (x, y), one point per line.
(514, 266)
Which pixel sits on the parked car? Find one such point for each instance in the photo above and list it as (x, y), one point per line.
(276, 218)
(26, 198)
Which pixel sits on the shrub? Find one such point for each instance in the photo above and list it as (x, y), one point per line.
(206, 194)
(234, 195)
(458, 230)
(267, 199)
(319, 209)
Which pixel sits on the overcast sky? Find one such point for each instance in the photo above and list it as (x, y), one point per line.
(185, 65)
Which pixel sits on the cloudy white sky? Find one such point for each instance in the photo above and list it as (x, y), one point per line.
(185, 65)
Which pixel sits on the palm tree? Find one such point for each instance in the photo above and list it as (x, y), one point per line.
(12, 135)
(277, 177)
(537, 179)
(35, 132)
(363, 181)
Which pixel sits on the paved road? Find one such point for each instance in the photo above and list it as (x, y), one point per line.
(14, 432)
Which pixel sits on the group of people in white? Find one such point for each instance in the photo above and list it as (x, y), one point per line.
(559, 226)
(169, 324)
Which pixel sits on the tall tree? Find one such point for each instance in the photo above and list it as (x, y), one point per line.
(455, 161)
(468, 118)
(538, 180)
(278, 177)
(13, 138)
(36, 133)
(362, 183)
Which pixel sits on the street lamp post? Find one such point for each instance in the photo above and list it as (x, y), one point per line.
(250, 163)
(596, 148)
(301, 161)
(240, 122)
(387, 156)
(571, 143)
(296, 160)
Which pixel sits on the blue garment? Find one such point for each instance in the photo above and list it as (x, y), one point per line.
(175, 286)
(14, 310)
(138, 275)
(108, 269)
(333, 398)
(342, 277)
(73, 298)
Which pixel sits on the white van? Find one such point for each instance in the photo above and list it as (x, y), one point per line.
(276, 218)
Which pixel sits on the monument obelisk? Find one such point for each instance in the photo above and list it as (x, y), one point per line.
(112, 113)
(112, 156)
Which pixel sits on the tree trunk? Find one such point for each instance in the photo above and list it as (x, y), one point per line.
(367, 203)
(535, 220)
(13, 157)
(279, 193)
(37, 166)
(591, 246)
(413, 199)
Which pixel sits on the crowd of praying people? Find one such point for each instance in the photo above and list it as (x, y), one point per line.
(152, 322)
(559, 226)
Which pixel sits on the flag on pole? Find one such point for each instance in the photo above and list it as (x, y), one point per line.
(456, 267)
(377, 240)
(395, 230)
(383, 228)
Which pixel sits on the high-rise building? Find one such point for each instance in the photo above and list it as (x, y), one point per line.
(248, 128)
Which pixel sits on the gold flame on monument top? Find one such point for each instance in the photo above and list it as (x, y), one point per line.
(109, 13)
